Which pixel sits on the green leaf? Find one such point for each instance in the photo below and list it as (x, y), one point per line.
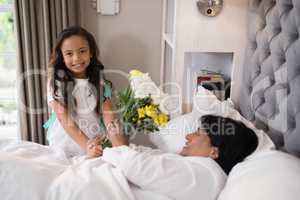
(129, 115)
(106, 143)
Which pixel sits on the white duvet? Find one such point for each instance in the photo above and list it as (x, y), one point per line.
(30, 171)
(35, 172)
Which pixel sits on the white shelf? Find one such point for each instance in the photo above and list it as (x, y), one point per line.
(168, 41)
(200, 42)
(169, 38)
(220, 62)
(194, 62)
(169, 16)
(168, 65)
(168, 53)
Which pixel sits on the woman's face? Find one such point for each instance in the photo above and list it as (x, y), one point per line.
(199, 144)
(76, 54)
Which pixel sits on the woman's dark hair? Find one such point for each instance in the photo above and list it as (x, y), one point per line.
(61, 77)
(234, 140)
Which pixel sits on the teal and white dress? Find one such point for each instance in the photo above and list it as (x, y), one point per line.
(85, 117)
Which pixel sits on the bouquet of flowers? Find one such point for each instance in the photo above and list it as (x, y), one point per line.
(143, 106)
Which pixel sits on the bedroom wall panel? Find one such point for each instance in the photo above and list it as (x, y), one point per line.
(128, 40)
(270, 91)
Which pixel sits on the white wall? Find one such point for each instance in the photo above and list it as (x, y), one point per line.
(225, 33)
(89, 17)
(131, 39)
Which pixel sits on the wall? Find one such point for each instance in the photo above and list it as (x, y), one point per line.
(89, 17)
(131, 39)
(225, 33)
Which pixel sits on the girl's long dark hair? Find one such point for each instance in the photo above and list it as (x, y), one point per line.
(61, 77)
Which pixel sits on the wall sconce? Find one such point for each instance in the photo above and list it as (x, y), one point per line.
(210, 8)
(106, 7)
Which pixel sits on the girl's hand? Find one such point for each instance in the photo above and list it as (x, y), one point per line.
(93, 147)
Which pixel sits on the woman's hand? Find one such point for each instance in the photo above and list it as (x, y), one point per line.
(93, 147)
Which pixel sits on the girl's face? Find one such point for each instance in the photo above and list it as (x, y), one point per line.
(77, 55)
(199, 144)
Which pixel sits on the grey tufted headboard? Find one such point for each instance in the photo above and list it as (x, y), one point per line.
(270, 92)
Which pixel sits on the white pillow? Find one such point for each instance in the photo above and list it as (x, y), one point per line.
(172, 137)
(270, 175)
(206, 102)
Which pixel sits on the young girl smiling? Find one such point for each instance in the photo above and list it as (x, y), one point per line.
(78, 95)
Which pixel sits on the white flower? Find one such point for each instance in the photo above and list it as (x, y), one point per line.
(167, 104)
(143, 86)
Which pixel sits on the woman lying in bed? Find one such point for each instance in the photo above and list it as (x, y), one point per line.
(219, 144)
(129, 173)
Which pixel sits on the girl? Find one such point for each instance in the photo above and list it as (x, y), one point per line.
(78, 94)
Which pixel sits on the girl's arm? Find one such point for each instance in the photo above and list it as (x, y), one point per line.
(108, 116)
(91, 146)
(68, 124)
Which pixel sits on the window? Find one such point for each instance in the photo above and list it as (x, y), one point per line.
(8, 105)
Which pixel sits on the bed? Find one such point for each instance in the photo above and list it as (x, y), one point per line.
(270, 92)
(269, 100)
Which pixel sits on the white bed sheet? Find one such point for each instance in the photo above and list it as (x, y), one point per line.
(29, 171)
(34, 172)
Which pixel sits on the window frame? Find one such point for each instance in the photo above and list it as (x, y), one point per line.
(4, 8)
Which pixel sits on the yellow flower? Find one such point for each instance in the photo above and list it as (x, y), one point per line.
(135, 73)
(163, 119)
(141, 113)
(151, 111)
(160, 120)
(156, 120)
